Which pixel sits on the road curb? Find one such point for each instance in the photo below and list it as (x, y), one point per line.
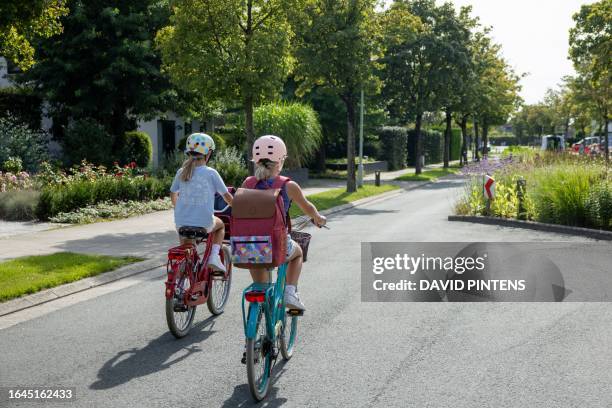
(57, 292)
(539, 226)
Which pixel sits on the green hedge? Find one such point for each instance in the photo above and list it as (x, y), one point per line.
(455, 142)
(455, 145)
(433, 146)
(136, 147)
(393, 140)
(78, 194)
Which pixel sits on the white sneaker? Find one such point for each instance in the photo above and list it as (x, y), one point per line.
(292, 301)
(215, 263)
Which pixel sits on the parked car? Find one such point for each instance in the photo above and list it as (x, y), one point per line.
(585, 145)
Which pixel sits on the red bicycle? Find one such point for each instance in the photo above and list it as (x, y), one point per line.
(191, 282)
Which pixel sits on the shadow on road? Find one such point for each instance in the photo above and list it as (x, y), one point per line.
(242, 398)
(146, 245)
(152, 358)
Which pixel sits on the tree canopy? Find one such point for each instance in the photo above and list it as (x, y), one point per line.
(229, 50)
(23, 21)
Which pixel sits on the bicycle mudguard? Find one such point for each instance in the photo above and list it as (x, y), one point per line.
(251, 322)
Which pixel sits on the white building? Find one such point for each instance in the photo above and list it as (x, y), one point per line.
(165, 130)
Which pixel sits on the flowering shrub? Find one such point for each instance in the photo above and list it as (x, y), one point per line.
(13, 165)
(559, 189)
(19, 181)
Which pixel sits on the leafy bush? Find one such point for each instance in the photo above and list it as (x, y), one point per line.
(169, 164)
(135, 147)
(560, 189)
(231, 166)
(86, 139)
(81, 193)
(297, 124)
(393, 140)
(433, 146)
(13, 165)
(111, 210)
(18, 205)
(455, 141)
(19, 181)
(18, 140)
(598, 205)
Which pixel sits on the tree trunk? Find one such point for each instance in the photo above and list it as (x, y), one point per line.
(351, 184)
(485, 139)
(419, 143)
(320, 157)
(447, 137)
(476, 144)
(606, 139)
(464, 145)
(249, 131)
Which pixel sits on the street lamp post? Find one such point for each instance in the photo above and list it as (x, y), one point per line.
(360, 168)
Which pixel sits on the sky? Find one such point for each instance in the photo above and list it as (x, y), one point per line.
(534, 38)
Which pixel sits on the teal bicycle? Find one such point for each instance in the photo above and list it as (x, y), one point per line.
(267, 326)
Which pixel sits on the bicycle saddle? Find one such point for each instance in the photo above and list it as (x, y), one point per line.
(193, 232)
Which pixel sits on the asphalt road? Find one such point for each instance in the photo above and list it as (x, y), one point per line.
(114, 346)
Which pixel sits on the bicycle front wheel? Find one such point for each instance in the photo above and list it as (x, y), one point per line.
(259, 360)
(288, 337)
(219, 286)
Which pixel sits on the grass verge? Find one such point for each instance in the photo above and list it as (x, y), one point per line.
(339, 196)
(30, 274)
(428, 175)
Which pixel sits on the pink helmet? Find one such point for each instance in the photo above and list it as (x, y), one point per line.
(269, 147)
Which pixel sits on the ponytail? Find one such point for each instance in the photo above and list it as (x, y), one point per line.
(188, 166)
(264, 169)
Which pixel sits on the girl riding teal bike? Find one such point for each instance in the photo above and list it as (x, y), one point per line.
(268, 325)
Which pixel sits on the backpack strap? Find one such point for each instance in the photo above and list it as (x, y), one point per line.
(280, 181)
(250, 182)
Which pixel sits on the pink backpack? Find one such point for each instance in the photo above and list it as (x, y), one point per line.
(259, 225)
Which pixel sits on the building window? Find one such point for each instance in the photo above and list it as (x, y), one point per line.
(187, 128)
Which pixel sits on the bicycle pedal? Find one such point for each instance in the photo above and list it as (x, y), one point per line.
(218, 274)
(295, 312)
(194, 297)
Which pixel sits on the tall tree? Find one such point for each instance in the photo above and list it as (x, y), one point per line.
(498, 88)
(414, 62)
(334, 48)
(22, 21)
(229, 50)
(455, 76)
(591, 52)
(104, 66)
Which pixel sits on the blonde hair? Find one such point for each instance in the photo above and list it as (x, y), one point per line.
(189, 165)
(264, 169)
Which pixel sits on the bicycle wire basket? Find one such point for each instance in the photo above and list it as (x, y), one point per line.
(303, 239)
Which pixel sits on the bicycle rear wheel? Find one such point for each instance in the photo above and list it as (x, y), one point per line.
(219, 287)
(259, 360)
(178, 315)
(289, 337)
